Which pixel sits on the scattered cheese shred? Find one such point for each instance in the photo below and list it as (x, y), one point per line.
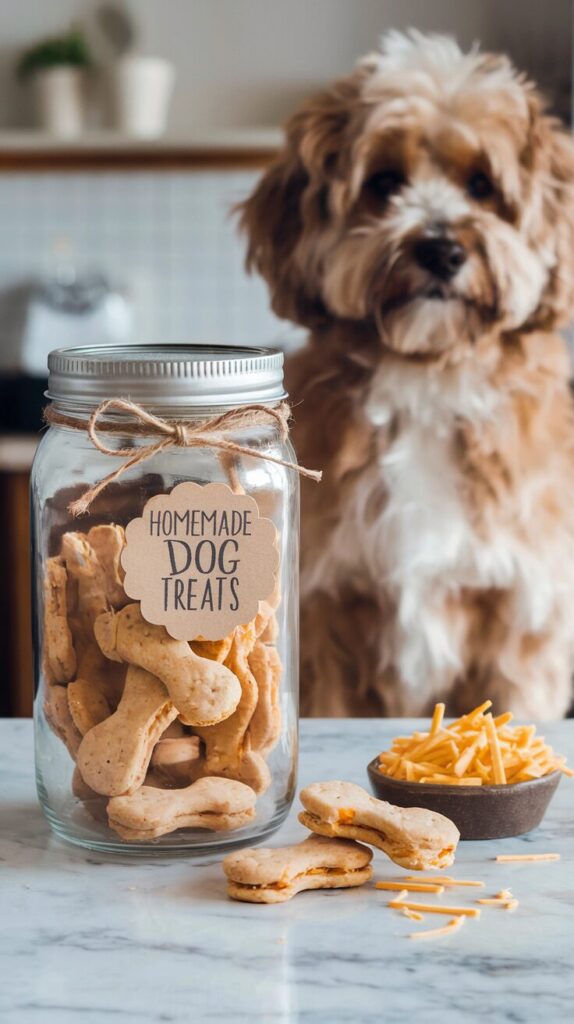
(401, 896)
(507, 858)
(413, 915)
(437, 933)
(434, 908)
(410, 887)
(475, 750)
(504, 899)
(445, 880)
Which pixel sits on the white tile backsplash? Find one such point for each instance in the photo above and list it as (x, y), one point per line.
(168, 239)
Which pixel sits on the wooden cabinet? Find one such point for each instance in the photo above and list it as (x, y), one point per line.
(15, 612)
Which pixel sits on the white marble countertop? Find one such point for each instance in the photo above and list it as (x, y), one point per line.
(94, 940)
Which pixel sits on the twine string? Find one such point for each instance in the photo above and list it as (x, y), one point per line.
(209, 433)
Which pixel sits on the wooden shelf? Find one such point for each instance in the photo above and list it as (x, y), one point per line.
(106, 151)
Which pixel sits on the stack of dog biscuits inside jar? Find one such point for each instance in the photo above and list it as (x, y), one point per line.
(167, 652)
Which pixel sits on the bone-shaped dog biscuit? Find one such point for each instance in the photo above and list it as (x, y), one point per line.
(263, 617)
(227, 751)
(59, 653)
(93, 561)
(83, 566)
(275, 875)
(270, 632)
(224, 741)
(88, 705)
(215, 650)
(203, 691)
(251, 768)
(173, 760)
(107, 542)
(78, 555)
(413, 837)
(265, 725)
(107, 677)
(59, 719)
(217, 804)
(114, 756)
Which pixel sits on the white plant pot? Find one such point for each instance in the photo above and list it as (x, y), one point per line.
(60, 98)
(142, 88)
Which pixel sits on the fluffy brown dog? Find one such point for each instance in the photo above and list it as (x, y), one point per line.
(420, 221)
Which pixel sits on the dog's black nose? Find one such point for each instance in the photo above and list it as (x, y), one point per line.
(442, 256)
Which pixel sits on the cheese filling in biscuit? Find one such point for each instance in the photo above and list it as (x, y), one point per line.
(366, 831)
(202, 819)
(287, 883)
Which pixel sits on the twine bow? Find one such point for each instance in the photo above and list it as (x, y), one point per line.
(172, 433)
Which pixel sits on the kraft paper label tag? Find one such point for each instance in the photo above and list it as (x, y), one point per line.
(199, 560)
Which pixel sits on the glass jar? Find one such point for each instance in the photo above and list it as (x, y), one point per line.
(166, 615)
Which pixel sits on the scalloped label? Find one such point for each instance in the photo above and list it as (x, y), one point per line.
(199, 560)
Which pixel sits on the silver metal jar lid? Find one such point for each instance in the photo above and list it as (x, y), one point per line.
(165, 377)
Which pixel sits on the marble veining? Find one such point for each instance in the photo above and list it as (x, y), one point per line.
(104, 940)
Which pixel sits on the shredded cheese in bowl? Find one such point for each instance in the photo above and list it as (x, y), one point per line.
(475, 750)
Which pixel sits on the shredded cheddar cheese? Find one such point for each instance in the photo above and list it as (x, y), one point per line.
(444, 880)
(503, 900)
(477, 749)
(412, 914)
(410, 887)
(495, 751)
(434, 908)
(507, 858)
(346, 816)
(438, 715)
(436, 933)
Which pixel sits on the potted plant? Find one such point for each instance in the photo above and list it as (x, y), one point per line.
(58, 68)
(142, 89)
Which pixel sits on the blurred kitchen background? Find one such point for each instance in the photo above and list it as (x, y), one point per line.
(127, 133)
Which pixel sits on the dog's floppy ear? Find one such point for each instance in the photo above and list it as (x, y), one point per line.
(290, 205)
(553, 168)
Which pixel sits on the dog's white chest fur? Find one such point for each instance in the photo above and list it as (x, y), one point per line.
(422, 548)
(426, 544)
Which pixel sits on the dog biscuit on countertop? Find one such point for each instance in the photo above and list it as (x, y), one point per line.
(276, 875)
(411, 836)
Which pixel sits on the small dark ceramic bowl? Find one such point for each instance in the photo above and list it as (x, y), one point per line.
(479, 812)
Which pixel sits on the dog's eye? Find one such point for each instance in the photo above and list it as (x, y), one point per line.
(479, 186)
(384, 183)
